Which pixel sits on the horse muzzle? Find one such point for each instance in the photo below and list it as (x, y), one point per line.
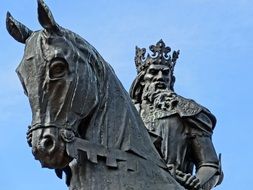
(49, 148)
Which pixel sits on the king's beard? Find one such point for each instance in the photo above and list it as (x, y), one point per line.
(152, 90)
(157, 96)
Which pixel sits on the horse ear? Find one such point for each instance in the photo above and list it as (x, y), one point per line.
(16, 29)
(46, 18)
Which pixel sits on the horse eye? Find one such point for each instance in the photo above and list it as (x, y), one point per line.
(58, 69)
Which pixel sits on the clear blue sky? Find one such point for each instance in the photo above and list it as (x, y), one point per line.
(215, 68)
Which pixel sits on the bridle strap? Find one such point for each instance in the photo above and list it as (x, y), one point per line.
(66, 132)
(37, 126)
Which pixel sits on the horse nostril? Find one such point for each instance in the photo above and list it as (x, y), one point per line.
(47, 143)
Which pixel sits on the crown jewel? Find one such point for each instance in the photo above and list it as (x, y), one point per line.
(159, 56)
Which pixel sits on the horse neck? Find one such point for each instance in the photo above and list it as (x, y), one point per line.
(114, 114)
(116, 124)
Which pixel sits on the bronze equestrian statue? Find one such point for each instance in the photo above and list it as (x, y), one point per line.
(83, 120)
(181, 129)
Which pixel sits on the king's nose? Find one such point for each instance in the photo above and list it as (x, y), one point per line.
(159, 76)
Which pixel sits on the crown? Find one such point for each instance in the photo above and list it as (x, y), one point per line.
(159, 56)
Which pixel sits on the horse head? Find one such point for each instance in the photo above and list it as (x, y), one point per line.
(58, 77)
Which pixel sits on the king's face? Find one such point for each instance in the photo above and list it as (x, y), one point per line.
(158, 75)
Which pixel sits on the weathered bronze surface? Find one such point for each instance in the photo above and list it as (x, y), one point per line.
(180, 128)
(83, 121)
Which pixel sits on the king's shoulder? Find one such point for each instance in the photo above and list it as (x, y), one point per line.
(190, 108)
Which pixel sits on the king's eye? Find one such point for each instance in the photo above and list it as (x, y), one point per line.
(153, 71)
(58, 68)
(166, 72)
